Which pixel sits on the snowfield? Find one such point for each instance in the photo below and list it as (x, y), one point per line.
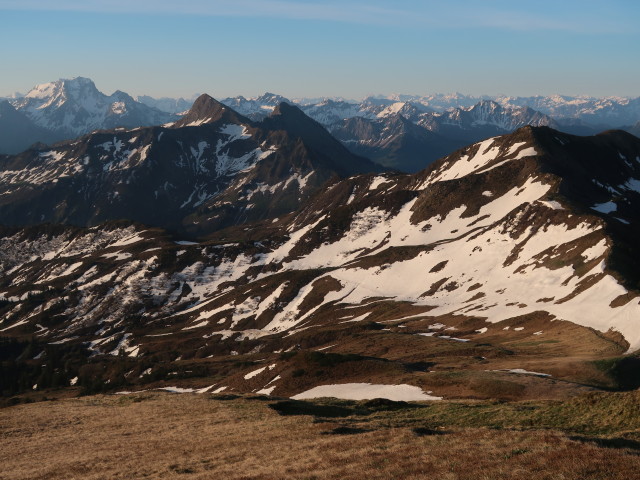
(367, 391)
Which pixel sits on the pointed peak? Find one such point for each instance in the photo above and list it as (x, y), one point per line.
(293, 120)
(206, 105)
(207, 109)
(284, 108)
(206, 101)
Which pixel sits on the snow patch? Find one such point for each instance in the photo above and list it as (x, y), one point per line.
(254, 373)
(367, 391)
(607, 207)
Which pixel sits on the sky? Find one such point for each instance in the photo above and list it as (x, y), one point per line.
(313, 48)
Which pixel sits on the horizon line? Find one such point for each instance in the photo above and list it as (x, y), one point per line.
(294, 98)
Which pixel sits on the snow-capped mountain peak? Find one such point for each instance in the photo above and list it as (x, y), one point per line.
(80, 91)
(71, 107)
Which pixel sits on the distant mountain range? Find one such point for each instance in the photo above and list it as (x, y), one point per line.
(407, 138)
(591, 111)
(372, 127)
(377, 127)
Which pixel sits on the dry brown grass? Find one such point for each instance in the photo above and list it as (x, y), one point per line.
(158, 435)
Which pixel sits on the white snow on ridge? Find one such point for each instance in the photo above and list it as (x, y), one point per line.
(506, 292)
(245, 310)
(514, 148)
(527, 152)
(282, 185)
(367, 391)
(197, 325)
(58, 272)
(270, 301)
(479, 163)
(465, 165)
(377, 181)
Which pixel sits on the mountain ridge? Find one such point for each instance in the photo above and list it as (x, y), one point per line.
(507, 254)
(195, 175)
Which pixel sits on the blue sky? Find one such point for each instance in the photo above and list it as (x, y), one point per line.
(347, 48)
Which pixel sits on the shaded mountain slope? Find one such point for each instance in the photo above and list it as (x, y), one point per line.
(17, 131)
(211, 169)
(393, 141)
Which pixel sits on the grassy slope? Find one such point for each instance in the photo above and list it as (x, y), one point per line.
(158, 435)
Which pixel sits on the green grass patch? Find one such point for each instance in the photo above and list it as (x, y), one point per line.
(598, 413)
